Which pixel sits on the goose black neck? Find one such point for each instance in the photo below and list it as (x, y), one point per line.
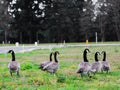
(50, 56)
(104, 56)
(13, 56)
(96, 57)
(55, 57)
(85, 57)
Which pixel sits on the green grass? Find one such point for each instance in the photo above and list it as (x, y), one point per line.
(66, 78)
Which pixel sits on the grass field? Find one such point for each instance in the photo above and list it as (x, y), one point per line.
(66, 78)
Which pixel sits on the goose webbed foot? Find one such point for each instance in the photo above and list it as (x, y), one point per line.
(90, 76)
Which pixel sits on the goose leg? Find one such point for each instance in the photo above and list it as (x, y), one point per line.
(102, 70)
(89, 75)
(94, 73)
(18, 73)
(107, 71)
(81, 75)
(10, 73)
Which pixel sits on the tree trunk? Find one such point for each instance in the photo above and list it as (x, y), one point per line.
(117, 30)
(102, 30)
(21, 37)
(117, 20)
(30, 38)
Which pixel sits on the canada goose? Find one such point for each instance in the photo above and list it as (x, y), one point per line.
(41, 66)
(53, 66)
(105, 64)
(13, 66)
(96, 66)
(84, 67)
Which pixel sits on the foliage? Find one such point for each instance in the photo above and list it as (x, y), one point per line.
(5, 19)
(59, 20)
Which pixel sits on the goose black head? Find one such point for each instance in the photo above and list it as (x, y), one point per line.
(104, 55)
(85, 54)
(51, 56)
(103, 52)
(96, 56)
(57, 52)
(13, 54)
(10, 51)
(55, 56)
(86, 50)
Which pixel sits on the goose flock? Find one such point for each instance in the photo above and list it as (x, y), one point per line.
(85, 67)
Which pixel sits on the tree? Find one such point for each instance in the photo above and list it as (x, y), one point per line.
(102, 15)
(4, 20)
(26, 14)
(108, 16)
(87, 20)
(114, 8)
(63, 18)
(59, 20)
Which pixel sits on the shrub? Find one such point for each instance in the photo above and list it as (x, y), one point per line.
(26, 65)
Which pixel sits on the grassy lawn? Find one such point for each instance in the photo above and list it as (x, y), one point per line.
(66, 78)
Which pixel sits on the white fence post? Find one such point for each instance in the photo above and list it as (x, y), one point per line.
(17, 44)
(36, 43)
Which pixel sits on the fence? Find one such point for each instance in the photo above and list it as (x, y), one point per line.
(93, 47)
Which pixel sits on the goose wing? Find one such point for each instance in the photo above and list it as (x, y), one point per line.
(43, 64)
(51, 67)
(105, 64)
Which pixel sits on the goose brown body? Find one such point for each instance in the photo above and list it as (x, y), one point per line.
(84, 67)
(105, 63)
(96, 66)
(42, 65)
(53, 66)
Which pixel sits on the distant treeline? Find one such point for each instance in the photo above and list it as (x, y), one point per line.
(27, 21)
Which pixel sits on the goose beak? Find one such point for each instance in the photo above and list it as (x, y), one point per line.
(8, 52)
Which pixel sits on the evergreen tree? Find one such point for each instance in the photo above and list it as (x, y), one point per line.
(4, 21)
(26, 14)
